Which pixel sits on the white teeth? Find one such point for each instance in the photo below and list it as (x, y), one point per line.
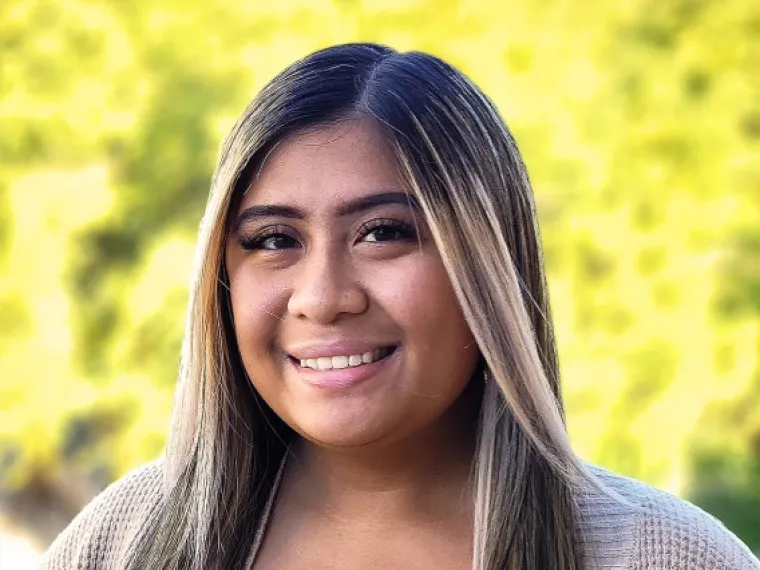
(339, 362)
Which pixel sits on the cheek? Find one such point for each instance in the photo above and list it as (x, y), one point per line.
(256, 310)
(422, 301)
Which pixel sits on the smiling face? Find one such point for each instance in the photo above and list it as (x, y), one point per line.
(344, 316)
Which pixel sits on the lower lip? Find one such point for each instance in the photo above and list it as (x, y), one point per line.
(343, 377)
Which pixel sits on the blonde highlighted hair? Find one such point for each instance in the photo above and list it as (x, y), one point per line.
(461, 163)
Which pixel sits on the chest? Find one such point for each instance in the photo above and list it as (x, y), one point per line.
(323, 547)
(368, 557)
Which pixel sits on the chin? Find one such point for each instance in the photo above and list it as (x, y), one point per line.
(343, 432)
(347, 442)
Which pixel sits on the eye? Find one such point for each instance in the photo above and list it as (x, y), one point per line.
(379, 231)
(271, 239)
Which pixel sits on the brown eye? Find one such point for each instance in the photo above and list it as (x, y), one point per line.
(379, 231)
(384, 233)
(278, 241)
(272, 239)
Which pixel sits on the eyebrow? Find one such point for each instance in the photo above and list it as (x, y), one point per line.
(349, 208)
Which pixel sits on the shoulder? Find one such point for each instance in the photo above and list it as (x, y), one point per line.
(101, 534)
(649, 528)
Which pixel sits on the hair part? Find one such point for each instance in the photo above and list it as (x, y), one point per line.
(461, 163)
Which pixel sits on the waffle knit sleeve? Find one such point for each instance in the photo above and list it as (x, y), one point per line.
(676, 535)
(102, 535)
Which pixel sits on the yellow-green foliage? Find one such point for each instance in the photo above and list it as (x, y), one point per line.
(640, 125)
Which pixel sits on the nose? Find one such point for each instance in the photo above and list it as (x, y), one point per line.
(325, 288)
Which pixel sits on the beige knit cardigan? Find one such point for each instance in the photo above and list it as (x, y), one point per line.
(664, 533)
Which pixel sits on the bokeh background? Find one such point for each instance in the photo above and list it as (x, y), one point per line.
(639, 121)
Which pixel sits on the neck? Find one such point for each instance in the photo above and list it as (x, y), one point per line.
(427, 474)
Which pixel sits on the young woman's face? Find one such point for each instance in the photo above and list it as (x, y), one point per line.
(344, 316)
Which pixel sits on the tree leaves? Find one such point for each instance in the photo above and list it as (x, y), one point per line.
(640, 126)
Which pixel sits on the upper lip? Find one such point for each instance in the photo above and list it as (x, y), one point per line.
(336, 347)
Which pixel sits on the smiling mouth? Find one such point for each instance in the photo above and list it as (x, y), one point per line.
(323, 363)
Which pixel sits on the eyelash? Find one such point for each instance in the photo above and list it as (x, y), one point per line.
(406, 231)
(256, 241)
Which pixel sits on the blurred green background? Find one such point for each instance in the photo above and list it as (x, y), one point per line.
(640, 124)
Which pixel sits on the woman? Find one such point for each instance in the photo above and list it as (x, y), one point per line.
(369, 376)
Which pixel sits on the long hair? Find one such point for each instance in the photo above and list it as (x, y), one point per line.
(458, 158)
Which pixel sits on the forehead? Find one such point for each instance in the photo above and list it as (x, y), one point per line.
(325, 166)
